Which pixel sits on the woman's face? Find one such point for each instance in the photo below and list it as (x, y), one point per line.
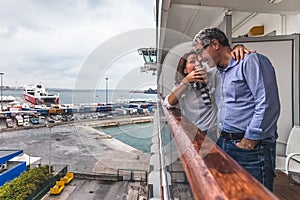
(191, 63)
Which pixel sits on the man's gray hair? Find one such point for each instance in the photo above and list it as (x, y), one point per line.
(205, 36)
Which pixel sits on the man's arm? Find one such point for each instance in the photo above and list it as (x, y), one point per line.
(256, 83)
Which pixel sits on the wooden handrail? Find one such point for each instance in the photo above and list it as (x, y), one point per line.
(212, 174)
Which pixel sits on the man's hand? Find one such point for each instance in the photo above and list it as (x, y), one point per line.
(247, 144)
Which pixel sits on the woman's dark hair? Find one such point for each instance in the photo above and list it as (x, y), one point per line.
(181, 66)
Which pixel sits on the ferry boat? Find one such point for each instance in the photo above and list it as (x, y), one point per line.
(150, 91)
(38, 95)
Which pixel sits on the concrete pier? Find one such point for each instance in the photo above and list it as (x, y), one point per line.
(84, 150)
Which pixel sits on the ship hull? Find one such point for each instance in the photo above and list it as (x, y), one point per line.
(30, 99)
(46, 100)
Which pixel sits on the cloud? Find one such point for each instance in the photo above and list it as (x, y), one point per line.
(48, 41)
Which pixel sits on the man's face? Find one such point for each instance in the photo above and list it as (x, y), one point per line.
(205, 54)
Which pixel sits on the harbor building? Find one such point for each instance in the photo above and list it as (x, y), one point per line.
(10, 169)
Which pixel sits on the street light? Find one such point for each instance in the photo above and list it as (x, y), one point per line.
(49, 126)
(1, 73)
(106, 86)
(29, 161)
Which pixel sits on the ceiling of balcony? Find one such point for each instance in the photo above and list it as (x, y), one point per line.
(189, 16)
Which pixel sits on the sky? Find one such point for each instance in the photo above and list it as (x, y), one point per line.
(56, 42)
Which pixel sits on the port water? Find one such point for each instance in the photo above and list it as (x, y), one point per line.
(136, 135)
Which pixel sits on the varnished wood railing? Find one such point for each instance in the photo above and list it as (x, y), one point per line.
(212, 174)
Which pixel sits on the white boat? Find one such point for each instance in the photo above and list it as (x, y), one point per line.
(7, 99)
(38, 95)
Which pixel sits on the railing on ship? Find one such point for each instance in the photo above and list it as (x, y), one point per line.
(210, 172)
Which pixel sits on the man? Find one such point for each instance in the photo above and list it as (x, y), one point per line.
(248, 104)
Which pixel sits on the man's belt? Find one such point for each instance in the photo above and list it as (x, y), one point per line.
(232, 136)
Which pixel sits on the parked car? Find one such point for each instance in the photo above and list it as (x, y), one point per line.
(9, 123)
(34, 120)
(50, 120)
(26, 120)
(41, 119)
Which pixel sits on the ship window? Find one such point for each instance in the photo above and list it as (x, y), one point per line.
(149, 54)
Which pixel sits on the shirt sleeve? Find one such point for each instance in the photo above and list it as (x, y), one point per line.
(255, 81)
(168, 105)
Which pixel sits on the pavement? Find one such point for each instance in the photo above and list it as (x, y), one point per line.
(95, 190)
(84, 150)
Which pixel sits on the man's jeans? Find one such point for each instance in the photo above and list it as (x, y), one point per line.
(259, 162)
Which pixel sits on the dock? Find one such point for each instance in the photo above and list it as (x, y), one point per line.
(55, 114)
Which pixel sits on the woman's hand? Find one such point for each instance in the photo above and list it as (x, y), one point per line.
(197, 75)
(239, 51)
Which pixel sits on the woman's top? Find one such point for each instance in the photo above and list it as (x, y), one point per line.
(197, 102)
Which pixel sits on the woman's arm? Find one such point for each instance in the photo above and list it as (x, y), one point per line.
(176, 93)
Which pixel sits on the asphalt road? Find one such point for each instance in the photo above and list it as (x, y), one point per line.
(93, 190)
(84, 150)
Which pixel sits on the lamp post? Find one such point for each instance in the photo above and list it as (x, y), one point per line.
(106, 86)
(1, 73)
(29, 161)
(49, 126)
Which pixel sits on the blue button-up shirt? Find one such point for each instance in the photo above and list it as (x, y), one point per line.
(247, 98)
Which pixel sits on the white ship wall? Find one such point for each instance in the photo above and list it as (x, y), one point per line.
(282, 24)
(293, 24)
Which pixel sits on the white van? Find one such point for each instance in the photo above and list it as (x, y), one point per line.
(20, 121)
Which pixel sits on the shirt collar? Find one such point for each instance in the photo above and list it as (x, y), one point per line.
(232, 63)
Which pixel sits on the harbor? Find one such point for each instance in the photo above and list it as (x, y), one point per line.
(70, 135)
(21, 112)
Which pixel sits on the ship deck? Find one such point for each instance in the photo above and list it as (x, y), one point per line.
(285, 189)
